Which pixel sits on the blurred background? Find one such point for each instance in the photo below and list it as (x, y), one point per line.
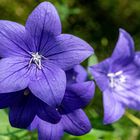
(97, 22)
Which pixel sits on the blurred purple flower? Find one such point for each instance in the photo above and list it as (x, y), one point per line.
(35, 56)
(73, 119)
(118, 77)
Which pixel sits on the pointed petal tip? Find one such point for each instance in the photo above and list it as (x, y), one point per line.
(76, 123)
(124, 49)
(91, 51)
(121, 30)
(72, 49)
(125, 34)
(45, 3)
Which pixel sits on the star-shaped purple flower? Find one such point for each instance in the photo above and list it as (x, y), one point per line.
(118, 77)
(35, 56)
(73, 119)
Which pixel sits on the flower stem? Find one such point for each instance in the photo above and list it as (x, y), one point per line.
(132, 118)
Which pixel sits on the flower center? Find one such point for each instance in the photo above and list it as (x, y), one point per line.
(36, 58)
(116, 79)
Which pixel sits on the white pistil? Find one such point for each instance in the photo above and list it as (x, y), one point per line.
(36, 58)
(116, 79)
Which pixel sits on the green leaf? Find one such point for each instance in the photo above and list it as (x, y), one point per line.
(5, 128)
(92, 60)
(97, 123)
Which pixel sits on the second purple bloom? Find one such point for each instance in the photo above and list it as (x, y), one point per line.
(118, 77)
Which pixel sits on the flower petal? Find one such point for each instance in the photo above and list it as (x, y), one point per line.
(137, 58)
(49, 84)
(76, 123)
(113, 109)
(8, 99)
(14, 74)
(34, 124)
(43, 24)
(129, 93)
(131, 99)
(77, 96)
(48, 131)
(66, 51)
(22, 112)
(12, 39)
(48, 113)
(76, 75)
(81, 73)
(99, 73)
(124, 48)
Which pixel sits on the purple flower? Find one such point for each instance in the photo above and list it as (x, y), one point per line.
(35, 56)
(76, 75)
(75, 123)
(24, 106)
(118, 77)
(73, 119)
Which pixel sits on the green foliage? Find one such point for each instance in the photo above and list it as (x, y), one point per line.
(97, 22)
(92, 60)
(9, 133)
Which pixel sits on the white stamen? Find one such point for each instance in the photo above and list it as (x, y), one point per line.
(116, 79)
(36, 58)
